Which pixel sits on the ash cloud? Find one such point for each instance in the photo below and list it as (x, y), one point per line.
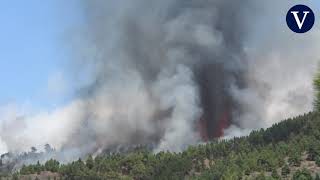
(177, 57)
(172, 73)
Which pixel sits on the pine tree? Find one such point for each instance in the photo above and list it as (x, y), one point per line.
(318, 161)
(302, 175)
(52, 165)
(316, 84)
(285, 171)
(275, 174)
(15, 176)
(90, 162)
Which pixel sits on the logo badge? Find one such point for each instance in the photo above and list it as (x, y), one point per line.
(300, 18)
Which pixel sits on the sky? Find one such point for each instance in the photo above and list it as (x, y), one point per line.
(32, 50)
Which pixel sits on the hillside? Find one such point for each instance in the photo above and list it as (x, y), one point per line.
(287, 150)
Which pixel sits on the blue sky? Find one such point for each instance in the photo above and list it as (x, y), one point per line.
(31, 48)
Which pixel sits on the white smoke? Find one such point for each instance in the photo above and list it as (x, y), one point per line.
(19, 133)
(179, 91)
(281, 69)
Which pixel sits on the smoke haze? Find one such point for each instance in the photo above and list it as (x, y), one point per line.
(173, 73)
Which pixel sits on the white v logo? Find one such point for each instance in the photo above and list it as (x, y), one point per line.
(299, 23)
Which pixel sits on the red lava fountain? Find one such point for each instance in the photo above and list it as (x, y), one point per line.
(207, 133)
(223, 123)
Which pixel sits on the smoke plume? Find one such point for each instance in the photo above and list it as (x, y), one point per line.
(173, 73)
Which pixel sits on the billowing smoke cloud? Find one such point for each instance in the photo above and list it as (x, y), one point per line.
(172, 73)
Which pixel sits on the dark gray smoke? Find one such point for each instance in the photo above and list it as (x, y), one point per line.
(173, 73)
(181, 58)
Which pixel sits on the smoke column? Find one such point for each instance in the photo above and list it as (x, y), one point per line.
(173, 73)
